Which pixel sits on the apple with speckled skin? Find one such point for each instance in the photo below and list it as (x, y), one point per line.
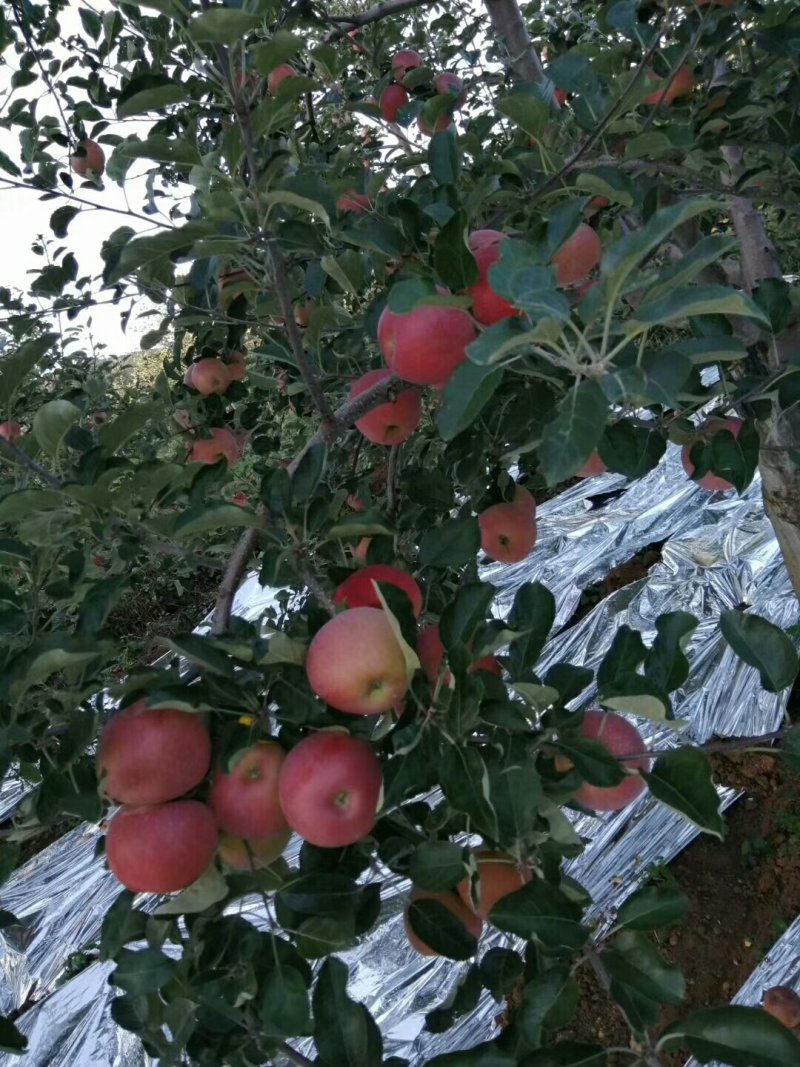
(221, 445)
(208, 376)
(508, 532)
(577, 256)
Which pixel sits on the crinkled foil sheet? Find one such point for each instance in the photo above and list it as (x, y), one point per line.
(718, 552)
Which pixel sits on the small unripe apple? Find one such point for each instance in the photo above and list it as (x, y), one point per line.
(450, 84)
(161, 848)
(10, 431)
(498, 875)
(330, 788)
(404, 61)
(593, 466)
(622, 739)
(253, 854)
(393, 98)
(90, 159)
(784, 1005)
(245, 798)
(278, 76)
(221, 445)
(508, 532)
(149, 755)
(358, 591)
(680, 85)
(426, 345)
(472, 922)
(355, 663)
(710, 481)
(579, 254)
(208, 376)
(391, 423)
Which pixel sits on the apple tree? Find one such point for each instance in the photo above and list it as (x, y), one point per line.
(419, 263)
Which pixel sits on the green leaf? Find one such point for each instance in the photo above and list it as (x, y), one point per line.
(51, 422)
(652, 908)
(444, 158)
(411, 293)
(521, 277)
(309, 472)
(320, 935)
(702, 350)
(465, 396)
(296, 200)
(345, 1034)
(609, 182)
(773, 296)
(203, 518)
(682, 780)
(574, 433)
(707, 250)
(9, 166)
(280, 48)
(548, 1002)
(321, 894)
(16, 366)
(463, 999)
(593, 761)
(631, 450)
(735, 1035)
(161, 149)
(454, 543)
(210, 888)
(462, 615)
(143, 970)
(154, 99)
(284, 1005)
(498, 340)
(438, 865)
(501, 970)
(531, 617)
(526, 109)
(464, 779)
(61, 218)
(25, 502)
(121, 924)
(452, 258)
(762, 645)
(634, 962)
(687, 301)
(666, 665)
(222, 25)
(202, 651)
(541, 912)
(149, 251)
(438, 928)
(114, 434)
(11, 1040)
(514, 790)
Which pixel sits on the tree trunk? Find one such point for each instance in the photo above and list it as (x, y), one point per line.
(509, 25)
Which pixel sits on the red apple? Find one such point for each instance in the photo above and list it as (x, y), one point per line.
(783, 1004)
(149, 755)
(358, 591)
(593, 466)
(479, 239)
(523, 498)
(404, 61)
(487, 306)
(710, 481)
(561, 96)
(161, 848)
(10, 431)
(498, 875)
(448, 83)
(221, 445)
(468, 918)
(208, 376)
(236, 366)
(430, 651)
(442, 122)
(621, 738)
(508, 532)
(245, 799)
(353, 201)
(240, 499)
(426, 345)
(355, 663)
(681, 84)
(90, 159)
(330, 788)
(393, 98)
(253, 854)
(490, 664)
(278, 76)
(391, 423)
(579, 254)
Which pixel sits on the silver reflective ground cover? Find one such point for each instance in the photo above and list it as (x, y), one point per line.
(718, 552)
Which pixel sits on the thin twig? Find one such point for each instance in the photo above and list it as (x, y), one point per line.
(32, 465)
(47, 192)
(372, 14)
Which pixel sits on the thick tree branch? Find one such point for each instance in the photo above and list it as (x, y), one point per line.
(509, 25)
(759, 258)
(372, 14)
(234, 573)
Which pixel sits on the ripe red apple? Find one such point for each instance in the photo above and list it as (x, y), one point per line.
(253, 854)
(303, 310)
(442, 122)
(149, 755)
(448, 83)
(597, 203)
(278, 76)
(353, 201)
(592, 467)
(681, 84)
(508, 532)
(579, 254)
(161, 848)
(355, 503)
(430, 651)
(355, 663)
(621, 738)
(404, 61)
(90, 159)
(498, 875)
(330, 788)
(561, 96)
(358, 590)
(208, 376)
(221, 445)
(468, 918)
(523, 498)
(479, 239)
(10, 431)
(391, 423)
(490, 664)
(426, 345)
(710, 481)
(236, 365)
(245, 799)
(393, 98)
(487, 306)
(784, 1005)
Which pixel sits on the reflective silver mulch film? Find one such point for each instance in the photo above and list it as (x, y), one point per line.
(718, 552)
